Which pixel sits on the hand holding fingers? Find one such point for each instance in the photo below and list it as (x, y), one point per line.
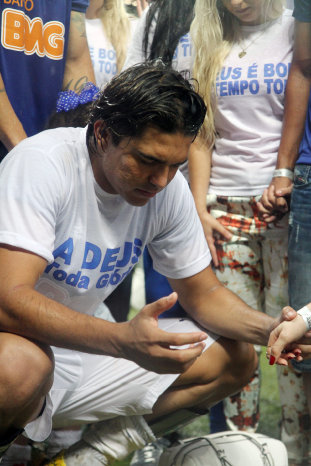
(269, 197)
(286, 355)
(271, 208)
(305, 350)
(281, 205)
(287, 314)
(265, 213)
(283, 186)
(285, 334)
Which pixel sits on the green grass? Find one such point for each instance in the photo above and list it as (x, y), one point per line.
(270, 409)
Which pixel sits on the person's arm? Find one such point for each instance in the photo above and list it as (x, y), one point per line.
(26, 312)
(218, 309)
(78, 69)
(11, 129)
(296, 104)
(199, 164)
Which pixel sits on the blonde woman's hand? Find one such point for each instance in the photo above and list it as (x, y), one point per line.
(212, 228)
(282, 344)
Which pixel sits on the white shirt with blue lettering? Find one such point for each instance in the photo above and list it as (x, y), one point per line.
(250, 107)
(102, 53)
(52, 206)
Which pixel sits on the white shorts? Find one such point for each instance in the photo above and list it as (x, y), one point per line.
(89, 388)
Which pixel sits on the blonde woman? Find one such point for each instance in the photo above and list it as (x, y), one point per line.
(108, 30)
(243, 54)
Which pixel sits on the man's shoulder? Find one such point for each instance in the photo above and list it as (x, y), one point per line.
(52, 144)
(177, 186)
(52, 137)
(175, 197)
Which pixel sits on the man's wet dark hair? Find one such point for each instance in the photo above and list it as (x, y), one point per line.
(147, 95)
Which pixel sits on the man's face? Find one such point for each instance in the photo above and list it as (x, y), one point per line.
(138, 168)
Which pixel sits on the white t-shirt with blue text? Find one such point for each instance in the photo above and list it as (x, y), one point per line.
(102, 53)
(250, 105)
(52, 206)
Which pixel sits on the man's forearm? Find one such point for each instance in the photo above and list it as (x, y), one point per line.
(26, 312)
(231, 317)
(78, 69)
(218, 309)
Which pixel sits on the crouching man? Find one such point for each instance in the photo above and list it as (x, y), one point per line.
(78, 206)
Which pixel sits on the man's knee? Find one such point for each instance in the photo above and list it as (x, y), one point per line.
(232, 363)
(226, 362)
(26, 371)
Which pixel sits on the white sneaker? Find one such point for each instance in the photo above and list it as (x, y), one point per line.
(151, 453)
(105, 441)
(61, 439)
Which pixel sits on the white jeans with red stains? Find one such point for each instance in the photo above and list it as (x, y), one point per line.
(254, 265)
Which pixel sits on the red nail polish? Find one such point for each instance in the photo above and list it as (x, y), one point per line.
(271, 360)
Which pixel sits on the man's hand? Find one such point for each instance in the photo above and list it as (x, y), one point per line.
(287, 314)
(155, 349)
(274, 202)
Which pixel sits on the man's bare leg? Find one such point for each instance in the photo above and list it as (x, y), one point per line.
(25, 378)
(221, 370)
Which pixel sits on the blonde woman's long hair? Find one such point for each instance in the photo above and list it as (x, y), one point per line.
(116, 24)
(214, 30)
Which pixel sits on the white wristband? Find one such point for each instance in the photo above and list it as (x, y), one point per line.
(305, 313)
(286, 172)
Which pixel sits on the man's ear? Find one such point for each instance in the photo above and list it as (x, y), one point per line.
(101, 134)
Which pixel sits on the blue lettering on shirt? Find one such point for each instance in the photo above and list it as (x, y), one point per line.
(242, 81)
(113, 265)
